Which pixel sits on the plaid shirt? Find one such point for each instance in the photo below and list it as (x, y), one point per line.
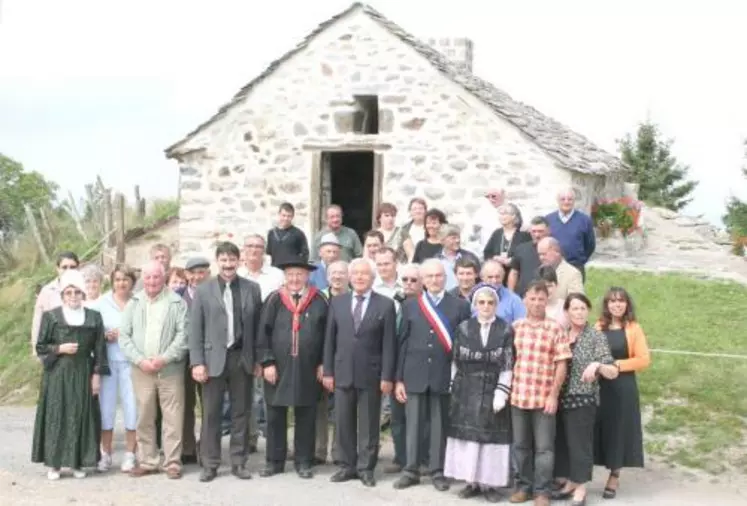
(539, 345)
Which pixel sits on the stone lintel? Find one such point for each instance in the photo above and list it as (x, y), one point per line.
(359, 143)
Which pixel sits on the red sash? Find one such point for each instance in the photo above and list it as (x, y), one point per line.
(296, 310)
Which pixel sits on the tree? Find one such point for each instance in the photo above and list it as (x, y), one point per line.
(19, 187)
(735, 218)
(663, 181)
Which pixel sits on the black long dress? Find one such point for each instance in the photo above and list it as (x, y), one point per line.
(618, 440)
(67, 418)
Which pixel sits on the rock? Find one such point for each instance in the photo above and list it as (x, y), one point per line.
(434, 192)
(299, 129)
(458, 165)
(188, 171)
(248, 206)
(413, 124)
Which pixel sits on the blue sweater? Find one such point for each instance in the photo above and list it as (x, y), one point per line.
(576, 237)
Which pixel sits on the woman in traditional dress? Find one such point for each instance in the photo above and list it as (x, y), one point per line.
(579, 398)
(618, 431)
(117, 385)
(395, 237)
(71, 346)
(479, 433)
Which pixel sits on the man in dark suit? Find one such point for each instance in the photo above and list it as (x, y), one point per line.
(424, 370)
(224, 320)
(359, 366)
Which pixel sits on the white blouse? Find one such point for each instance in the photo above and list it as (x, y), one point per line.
(74, 317)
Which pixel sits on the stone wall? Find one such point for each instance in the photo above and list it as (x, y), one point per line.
(436, 141)
(459, 50)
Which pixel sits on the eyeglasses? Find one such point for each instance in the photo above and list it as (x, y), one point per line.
(410, 280)
(66, 267)
(486, 303)
(73, 293)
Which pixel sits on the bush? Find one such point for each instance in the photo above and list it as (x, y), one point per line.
(621, 214)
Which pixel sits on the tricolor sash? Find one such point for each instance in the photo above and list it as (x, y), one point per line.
(296, 311)
(437, 320)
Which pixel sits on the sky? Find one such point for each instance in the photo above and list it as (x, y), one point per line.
(101, 87)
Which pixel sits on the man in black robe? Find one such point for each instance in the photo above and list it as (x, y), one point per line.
(290, 351)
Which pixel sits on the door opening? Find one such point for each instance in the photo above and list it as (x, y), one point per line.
(351, 185)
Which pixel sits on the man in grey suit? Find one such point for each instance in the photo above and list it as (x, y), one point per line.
(359, 366)
(224, 320)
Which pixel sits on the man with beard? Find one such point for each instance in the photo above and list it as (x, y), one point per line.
(224, 319)
(359, 365)
(424, 370)
(290, 349)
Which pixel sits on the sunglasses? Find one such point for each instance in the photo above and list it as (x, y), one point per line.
(410, 280)
(485, 303)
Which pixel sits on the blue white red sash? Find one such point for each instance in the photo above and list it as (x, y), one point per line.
(437, 320)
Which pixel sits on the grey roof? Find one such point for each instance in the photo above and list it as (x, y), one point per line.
(571, 150)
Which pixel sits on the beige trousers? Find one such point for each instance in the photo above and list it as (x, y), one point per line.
(150, 391)
(322, 430)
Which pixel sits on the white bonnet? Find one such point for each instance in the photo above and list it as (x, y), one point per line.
(74, 278)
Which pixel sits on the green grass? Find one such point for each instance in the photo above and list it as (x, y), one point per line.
(696, 406)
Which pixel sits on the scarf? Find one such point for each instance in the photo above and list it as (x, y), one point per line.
(296, 310)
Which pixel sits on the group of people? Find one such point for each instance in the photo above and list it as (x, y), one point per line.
(483, 365)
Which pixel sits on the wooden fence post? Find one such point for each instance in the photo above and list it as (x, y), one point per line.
(35, 230)
(76, 216)
(119, 221)
(47, 225)
(139, 204)
(109, 220)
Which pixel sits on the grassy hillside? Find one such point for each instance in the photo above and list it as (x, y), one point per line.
(696, 407)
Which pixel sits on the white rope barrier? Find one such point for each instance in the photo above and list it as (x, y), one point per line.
(698, 354)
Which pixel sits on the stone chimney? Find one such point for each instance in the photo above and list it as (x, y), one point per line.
(458, 50)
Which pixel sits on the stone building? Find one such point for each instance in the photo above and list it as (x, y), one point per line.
(362, 112)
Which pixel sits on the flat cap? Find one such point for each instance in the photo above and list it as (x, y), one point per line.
(196, 263)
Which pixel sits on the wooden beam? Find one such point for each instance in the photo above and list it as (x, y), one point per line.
(35, 231)
(119, 221)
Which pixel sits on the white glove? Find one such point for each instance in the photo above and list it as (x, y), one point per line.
(499, 401)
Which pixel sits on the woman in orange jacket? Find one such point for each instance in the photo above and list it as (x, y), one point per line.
(618, 431)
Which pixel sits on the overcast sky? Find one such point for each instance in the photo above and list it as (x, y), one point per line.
(93, 87)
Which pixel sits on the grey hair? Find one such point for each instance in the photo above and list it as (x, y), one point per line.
(432, 262)
(513, 210)
(153, 266)
(411, 267)
(448, 229)
(566, 190)
(256, 236)
(360, 261)
(491, 262)
(342, 264)
(91, 272)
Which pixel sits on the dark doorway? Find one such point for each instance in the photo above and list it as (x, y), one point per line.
(351, 176)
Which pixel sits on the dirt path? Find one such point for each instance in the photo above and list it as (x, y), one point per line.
(25, 484)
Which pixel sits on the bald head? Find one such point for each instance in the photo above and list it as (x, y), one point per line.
(433, 274)
(549, 251)
(154, 278)
(492, 272)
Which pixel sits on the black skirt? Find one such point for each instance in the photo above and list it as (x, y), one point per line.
(618, 433)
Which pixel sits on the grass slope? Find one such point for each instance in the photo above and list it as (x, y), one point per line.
(696, 407)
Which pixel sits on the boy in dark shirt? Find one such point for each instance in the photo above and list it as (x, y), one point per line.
(286, 240)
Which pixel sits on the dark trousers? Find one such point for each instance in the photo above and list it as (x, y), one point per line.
(420, 410)
(191, 391)
(304, 435)
(357, 414)
(159, 423)
(534, 447)
(399, 435)
(239, 385)
(574, 444)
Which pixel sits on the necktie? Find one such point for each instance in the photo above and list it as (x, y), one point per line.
(296, 298)
(228, 301)
(358, 311)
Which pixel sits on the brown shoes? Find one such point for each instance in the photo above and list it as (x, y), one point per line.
(139, 472)
(520, 496)
(173, 472)
(542, 500)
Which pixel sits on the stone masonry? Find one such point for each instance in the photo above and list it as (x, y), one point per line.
(437, 141)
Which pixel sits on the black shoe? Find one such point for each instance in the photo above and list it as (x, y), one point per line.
(318, 462)
(367, 478)
(305, 472)
(241, 472)
(440, 483)
(469, 491)
(253, 448)
(271, 470)
(343, 475)
(189, 459)
(208, 474)
(492, 495)
(406, 481)
(561, 495)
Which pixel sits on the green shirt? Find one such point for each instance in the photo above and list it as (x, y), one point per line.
(350, 243)
(155, 313)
